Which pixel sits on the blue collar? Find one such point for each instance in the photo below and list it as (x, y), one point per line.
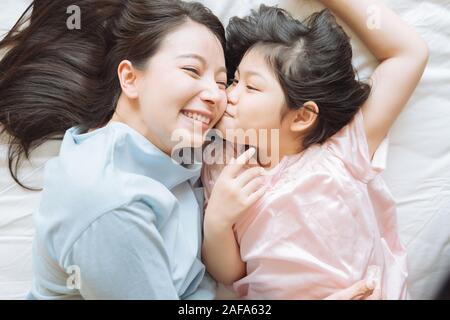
(134, 153)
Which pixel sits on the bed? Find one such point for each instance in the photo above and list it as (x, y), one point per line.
(418, 168)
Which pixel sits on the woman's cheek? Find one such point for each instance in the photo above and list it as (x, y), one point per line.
(223, 106)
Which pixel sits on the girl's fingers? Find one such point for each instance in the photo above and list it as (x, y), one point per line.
(255, 196)
(236, 165)
(253, 185)
(248, 175)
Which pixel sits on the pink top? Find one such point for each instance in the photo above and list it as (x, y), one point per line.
(327, 217)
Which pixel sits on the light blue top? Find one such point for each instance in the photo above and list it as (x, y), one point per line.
(118, 220)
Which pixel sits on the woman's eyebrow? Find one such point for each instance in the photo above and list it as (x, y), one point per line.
(201, 59)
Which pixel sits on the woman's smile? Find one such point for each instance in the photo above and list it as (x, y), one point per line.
(201, 118)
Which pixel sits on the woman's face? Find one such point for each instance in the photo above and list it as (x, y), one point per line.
(180, 94)
(255, 101)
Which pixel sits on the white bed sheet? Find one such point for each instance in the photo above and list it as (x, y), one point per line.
(418, 168)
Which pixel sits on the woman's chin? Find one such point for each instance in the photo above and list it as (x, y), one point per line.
(224, 125)
(187, 139)
(195, 141)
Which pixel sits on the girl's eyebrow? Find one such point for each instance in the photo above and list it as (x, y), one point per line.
(201, 59)
(252, 73)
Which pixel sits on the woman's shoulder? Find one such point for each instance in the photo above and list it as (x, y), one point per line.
(81, 163)
(97, 159)
(88, 176)
(107, 169)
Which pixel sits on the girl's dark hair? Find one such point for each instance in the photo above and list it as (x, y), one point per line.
(53, 78)
(312, 60)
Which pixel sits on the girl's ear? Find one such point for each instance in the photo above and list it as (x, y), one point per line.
(128, 79)
(305, 117)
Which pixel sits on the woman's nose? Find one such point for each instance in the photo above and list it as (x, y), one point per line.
(212, 95)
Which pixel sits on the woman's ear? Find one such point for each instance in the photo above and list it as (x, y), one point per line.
(305, 117)
(128, 79)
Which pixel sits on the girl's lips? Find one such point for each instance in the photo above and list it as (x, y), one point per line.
(226, 114)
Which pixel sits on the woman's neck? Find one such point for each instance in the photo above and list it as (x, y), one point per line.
(127, 113)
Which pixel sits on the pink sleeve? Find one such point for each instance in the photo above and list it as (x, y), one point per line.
(350, 145)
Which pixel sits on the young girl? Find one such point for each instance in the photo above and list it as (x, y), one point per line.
(325, 218)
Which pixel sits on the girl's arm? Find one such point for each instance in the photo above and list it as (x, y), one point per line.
(232, 195)
(403, 56)
(220, 253)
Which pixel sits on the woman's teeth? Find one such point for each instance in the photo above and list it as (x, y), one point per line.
(197, 117)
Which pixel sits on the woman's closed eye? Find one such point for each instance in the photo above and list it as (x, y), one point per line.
(195, 72)
(233, 82)
(222, 85)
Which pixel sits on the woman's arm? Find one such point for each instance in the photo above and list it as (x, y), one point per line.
(403, 56)
(122, 256)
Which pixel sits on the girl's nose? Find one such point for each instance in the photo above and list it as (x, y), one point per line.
(232, 95)
(231, 109)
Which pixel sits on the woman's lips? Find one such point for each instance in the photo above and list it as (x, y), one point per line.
(195, 122)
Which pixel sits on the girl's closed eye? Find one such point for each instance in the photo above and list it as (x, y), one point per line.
(192, 71)
(252, 88)
(235, 82)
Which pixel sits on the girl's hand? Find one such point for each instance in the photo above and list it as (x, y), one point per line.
(235, 192)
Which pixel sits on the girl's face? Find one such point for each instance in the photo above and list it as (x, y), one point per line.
(255, 102)
(180, 94)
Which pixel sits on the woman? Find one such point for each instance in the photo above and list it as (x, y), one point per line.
(165, 61)
(118, 218)
(30, 74)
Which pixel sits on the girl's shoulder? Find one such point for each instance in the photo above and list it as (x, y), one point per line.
(350, 147)
(342, 159)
